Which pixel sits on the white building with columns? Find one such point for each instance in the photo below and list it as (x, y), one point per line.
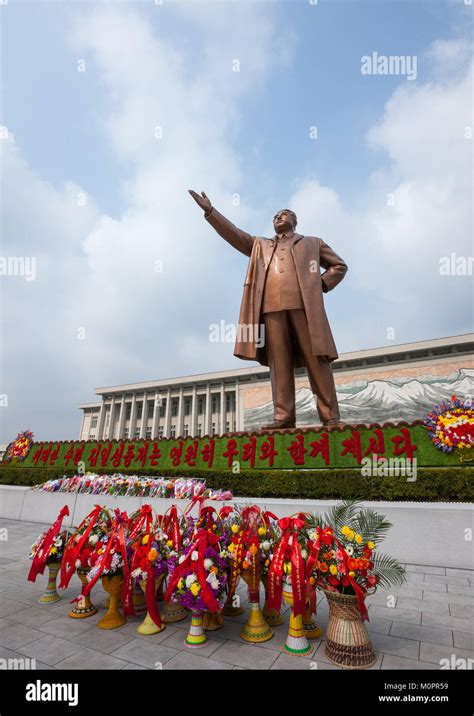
(188, 406)
(387, 383)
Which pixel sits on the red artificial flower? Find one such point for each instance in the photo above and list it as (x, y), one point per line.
(327, 536)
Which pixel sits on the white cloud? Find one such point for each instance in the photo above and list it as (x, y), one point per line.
(413, 212)
(98, 272)
(449, 57)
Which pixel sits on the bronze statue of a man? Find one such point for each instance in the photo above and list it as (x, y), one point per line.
(283, 289)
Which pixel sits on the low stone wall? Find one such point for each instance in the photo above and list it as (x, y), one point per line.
(427, 533)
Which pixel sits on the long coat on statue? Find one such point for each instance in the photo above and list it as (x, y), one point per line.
(309, 254)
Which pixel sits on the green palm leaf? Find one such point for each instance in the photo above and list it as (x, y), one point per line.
(388, 569)
(337, 516)
(372, 525)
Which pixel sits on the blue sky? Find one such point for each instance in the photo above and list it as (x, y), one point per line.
(55, 114)
(225, 132)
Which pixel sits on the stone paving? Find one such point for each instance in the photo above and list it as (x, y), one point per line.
(417, 626)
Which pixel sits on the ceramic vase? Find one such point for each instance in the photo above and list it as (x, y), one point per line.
(113, 619)
(256, 629)
(148, 626)
(296, 642)
(51, 595)
(196, 636)
(84, 607)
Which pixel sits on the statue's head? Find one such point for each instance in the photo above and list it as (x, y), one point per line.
(284, 220)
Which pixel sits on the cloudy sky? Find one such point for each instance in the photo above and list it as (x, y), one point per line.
(112, 110)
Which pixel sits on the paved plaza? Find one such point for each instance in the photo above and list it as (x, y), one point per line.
(428, 624)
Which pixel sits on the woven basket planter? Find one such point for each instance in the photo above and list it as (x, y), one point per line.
(347, 640)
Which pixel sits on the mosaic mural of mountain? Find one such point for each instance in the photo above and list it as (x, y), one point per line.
(377, 401)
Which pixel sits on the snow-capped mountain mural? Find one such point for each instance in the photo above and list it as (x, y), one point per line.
(377, 401)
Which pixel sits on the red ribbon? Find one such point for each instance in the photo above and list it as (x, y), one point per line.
(150, 597)
(202, 541)
(235, 570)
(142, 522)
(359, 591)
(73, 548)
(117, 534)
(314, 549)
(251, 516)
(288, 542)
(199, 499)
(267, 516)
(171, 527)
(43, 549)
(159, 522)
(150, 590)
(206, 516)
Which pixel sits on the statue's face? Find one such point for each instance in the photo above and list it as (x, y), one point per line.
(283, 221)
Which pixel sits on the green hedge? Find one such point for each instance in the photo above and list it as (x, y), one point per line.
(450, 484)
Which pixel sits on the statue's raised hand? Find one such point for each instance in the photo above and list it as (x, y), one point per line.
(202, 200)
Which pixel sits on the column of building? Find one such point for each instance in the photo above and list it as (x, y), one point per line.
(237, 407)
(179, 424)
(156, 414)
(223, 409)
(207, 412)
(193, 425)
(133, 417)
(100, 423)
(122, 418)
(144, 415)
(167, 429)
(110, 428)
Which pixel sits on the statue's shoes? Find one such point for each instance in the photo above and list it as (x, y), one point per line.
(279, 425)
(333, 423)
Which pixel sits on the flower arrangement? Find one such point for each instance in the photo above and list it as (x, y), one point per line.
(110, 555)
(199, 580)
(48, 548)
(20, 447)
(148, 566)
(288, 564)
(149, 553)
(343, 554)
(56, 549)
(246, 540)
(269, 536)
(451, 425)
(83, 543)
(133, 486)
(111, 564)
(238, 525)
(149, 545)
(242, 545)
